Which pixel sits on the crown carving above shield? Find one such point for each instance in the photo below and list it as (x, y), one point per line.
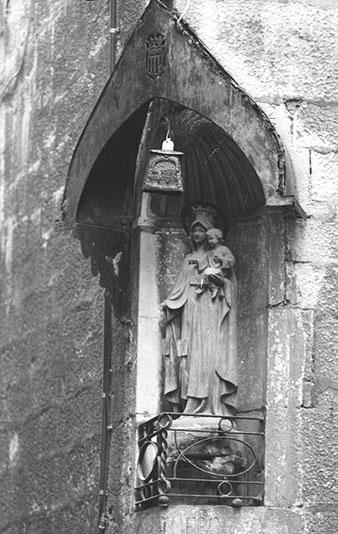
(155, 55)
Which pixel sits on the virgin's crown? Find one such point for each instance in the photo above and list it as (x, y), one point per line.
(205, 212)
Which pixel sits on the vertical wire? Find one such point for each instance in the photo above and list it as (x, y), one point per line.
(106, 431)
(184, 12)
(113, 32)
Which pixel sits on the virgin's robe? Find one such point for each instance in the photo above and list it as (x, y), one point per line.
(200, 345)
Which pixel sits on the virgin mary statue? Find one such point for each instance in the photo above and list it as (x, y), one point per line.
(200, 351)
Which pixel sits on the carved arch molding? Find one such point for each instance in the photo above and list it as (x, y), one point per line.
(233, 155)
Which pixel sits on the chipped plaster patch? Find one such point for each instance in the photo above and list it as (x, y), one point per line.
(57, 198)
(8, 242)
(14, 450)
(309, 284)
(45, 237)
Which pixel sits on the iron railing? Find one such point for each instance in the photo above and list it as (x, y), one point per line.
(200, 459)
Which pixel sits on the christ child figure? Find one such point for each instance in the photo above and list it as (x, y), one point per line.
(220, 260)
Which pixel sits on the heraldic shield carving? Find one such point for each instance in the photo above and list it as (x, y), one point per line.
(155, 52)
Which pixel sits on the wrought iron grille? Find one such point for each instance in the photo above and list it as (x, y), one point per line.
(190, 458)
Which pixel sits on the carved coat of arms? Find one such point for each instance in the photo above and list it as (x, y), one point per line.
(155, 54)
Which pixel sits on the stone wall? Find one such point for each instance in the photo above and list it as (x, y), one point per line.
(55, 62)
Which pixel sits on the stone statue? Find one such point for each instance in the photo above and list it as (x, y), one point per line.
(200, 349)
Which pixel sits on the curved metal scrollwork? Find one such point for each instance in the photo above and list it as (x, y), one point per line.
(218, 462)
(182, 455)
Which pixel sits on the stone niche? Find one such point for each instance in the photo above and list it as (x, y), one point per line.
(227, 468)
(207, 460)
(234, 160)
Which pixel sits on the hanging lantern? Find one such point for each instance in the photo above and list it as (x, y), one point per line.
(163, 173)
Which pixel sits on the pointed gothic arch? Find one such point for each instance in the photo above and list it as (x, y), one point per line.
(187, 74)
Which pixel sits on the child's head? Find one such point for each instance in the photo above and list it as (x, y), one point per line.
(215, 236)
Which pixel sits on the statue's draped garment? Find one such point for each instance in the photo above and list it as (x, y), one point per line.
(200, 348)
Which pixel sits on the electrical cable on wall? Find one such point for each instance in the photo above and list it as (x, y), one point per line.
(106, 415)
(185, 11)
(114, 30)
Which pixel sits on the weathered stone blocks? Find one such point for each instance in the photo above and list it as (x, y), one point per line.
(315, 126)
(324, 179)
(212, 520)
(263, 45)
